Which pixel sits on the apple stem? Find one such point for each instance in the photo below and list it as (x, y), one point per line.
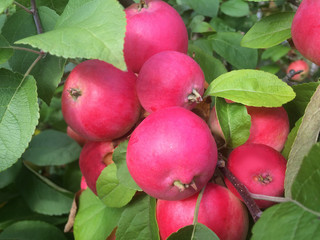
(142, 4)
(290, 75)
(75, 93)
(194, 96)
(182, 186)
(242, 190)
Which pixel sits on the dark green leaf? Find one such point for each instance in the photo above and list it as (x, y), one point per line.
(9, 175)
(49, 70)
(35, 230)
(252, 88)
(203, 7)
(52, 147)
(41, 195)
(93, 29)
(235, 8)
(201, 232)
(269, 31)
(275, 53)
(211, 67)
(227, 45)
(138, 220)
(305, 188)
(286, 221)
(19, 113)
(198, 25)
(235, 122)
(110, 190)
(306, 137)
(5, 50)
(94, 220)
(119, 158)
(220, 26)
(272, 68)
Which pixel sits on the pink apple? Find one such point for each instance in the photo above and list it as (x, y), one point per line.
(297, 66)
(75, 136)
(220, 211)
(99, 101)
(305, 30)
(83, 183)
(169, 79)
(269, 126)
(171, 155)
(260, 168)
(152, 28)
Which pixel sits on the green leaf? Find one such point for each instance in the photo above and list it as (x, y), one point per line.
(119, 158)
(275, 53)
(220, 25)
(94, 220)
(4, 4)
(235, 8)
(227, 45)
(201, 232)
(272, 68)
(235, 122)
(297, 106)
(41, 195)
(110, 190)
(252, 88)
(203, 7)
(19, 113)
(5, 50)
(52, 147)
(8, 176)
(57, 6)
(286, 221)
(269, 31)
(198, 25)
(305, 188)
(138, 220)
(211, 67)
(93, 29)
(290, 140)
(306, 137)
(35, 230)
(49, 70)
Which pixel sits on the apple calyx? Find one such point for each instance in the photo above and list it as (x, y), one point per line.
(182, 186)
(75, 93)
(264, 178)
(142, 4)
(194, 96)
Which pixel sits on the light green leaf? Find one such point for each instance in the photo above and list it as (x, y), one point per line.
(92, 29)
(275, 53)
(290, 140)
(110, 191)
(4, 4)
(235, 122)
(35, 230)
(227, 45)
(52, 147)
(201, 232)
(198, 25)
(211, 67)
(94, 220)
(286, 221)
(252, 88)
(19, 113)
(305, 188)
(203, 7)
(138, 220)
(119, 158)
(306, 137)
(235, 8)
(269, 31)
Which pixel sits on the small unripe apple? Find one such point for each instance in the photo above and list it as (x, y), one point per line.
(269, 126)
(169, 79)
(94, 157)
(305, 30)
(219, 210)
(260, 168)
(171, 155)
(297, 66)
(99, 101)
(152, 27)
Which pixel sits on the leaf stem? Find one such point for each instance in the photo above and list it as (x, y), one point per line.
(196, 212)
(32, 65)
(26, 49)
(23, 7)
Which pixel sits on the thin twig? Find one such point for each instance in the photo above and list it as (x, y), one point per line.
(32, 65)
(294, 2)
(36, 17)
(26, 49)
(290, 75)
(23, 7)
(196, 212)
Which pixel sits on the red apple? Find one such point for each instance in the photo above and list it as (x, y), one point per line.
(269, 126)
(260, 168)
(75, 136)
(94, 157)
(171, 155)
(305, 30)
(169, 79)
(99, 101)
(219, 210)
(83, 183)
(297, 66)
(152, 27)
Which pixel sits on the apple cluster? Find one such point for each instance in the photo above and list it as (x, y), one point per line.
(172, 152)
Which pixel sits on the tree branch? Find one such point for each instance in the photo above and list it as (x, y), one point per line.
(36, 17)
(23, 7)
